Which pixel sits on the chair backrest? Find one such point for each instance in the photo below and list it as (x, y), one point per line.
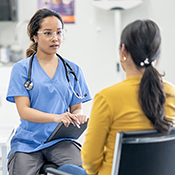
(144, 153)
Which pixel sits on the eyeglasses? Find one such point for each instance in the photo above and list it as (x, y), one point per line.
(49, 34)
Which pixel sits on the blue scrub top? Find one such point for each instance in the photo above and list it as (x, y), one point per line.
(48, 95)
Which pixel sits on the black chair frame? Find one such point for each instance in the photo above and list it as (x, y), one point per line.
(144, 153)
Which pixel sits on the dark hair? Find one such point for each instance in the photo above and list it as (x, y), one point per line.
(142, 40)
(35, 24)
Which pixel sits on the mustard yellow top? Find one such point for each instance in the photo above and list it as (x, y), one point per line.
(116, 109)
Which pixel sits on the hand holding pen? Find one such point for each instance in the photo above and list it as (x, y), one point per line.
(76, 124)
(75, 119)
(81, 118)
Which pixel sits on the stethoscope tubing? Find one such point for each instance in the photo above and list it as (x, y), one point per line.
(29, 85)
(67, 72)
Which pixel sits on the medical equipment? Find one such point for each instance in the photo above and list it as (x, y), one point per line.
(117, 6)
(29, 85)
(9, 10)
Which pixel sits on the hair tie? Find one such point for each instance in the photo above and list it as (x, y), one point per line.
(146, 62)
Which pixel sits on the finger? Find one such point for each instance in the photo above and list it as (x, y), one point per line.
(74, 117)
(76, 124)
(69, 117)
(77, 120)
(82, 118)
(66, 122)
(66, 119)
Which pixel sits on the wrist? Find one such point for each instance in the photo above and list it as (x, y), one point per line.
(54, 118)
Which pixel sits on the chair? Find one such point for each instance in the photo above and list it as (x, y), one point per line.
(6, 132)
(51, 169)
(144, 153)
(66, 169)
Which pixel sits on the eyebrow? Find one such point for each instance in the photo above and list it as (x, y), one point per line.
(51, 29)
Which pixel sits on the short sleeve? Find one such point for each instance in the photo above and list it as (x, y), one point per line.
(83, 87)
(16, 85)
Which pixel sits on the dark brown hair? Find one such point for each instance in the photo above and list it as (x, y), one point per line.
(142, 40)
(35, 24)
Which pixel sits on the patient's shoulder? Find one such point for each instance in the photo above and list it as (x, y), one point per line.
(169, 87)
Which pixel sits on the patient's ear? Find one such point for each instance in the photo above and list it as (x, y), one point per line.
(123, 50)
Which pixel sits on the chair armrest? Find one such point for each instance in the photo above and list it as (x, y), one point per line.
(54, 171)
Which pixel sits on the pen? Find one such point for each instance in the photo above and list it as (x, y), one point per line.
(78, 126)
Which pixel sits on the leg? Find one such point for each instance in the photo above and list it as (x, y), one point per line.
(25, 163)
(72, 169)
(64, 152)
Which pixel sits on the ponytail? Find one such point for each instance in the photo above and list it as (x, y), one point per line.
(32, 48)
(142, 41)
(152, 99)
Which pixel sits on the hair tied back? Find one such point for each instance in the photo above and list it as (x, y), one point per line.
(146, 62)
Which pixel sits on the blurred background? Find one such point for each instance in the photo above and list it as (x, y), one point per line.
(91, 42)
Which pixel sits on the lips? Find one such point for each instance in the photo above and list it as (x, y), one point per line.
(55, 45)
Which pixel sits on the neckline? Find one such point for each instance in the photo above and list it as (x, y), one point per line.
(35, 58)
(42, 61)
(133, 78)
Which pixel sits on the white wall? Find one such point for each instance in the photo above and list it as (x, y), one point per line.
(93, 49)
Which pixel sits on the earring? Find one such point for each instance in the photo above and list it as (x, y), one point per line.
(122, 58)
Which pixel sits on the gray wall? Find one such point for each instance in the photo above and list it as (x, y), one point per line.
(91, 43)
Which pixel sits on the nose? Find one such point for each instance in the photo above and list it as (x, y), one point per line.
(55, 36)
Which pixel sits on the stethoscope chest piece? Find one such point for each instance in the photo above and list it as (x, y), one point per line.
(28, 85)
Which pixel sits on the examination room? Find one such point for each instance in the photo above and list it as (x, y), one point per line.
(87, 87)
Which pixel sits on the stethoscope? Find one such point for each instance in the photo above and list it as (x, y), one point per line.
(29, 85)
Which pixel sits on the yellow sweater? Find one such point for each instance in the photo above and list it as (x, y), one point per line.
(116, 109)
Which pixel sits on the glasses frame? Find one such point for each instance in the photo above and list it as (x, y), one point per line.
(62, 34)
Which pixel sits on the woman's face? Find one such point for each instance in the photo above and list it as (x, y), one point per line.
(49, 36)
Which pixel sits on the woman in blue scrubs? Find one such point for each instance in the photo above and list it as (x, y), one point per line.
(46, 104)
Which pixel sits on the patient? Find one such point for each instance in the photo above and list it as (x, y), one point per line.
(142, 101)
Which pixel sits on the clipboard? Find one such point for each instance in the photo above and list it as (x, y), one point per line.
(61, 131)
